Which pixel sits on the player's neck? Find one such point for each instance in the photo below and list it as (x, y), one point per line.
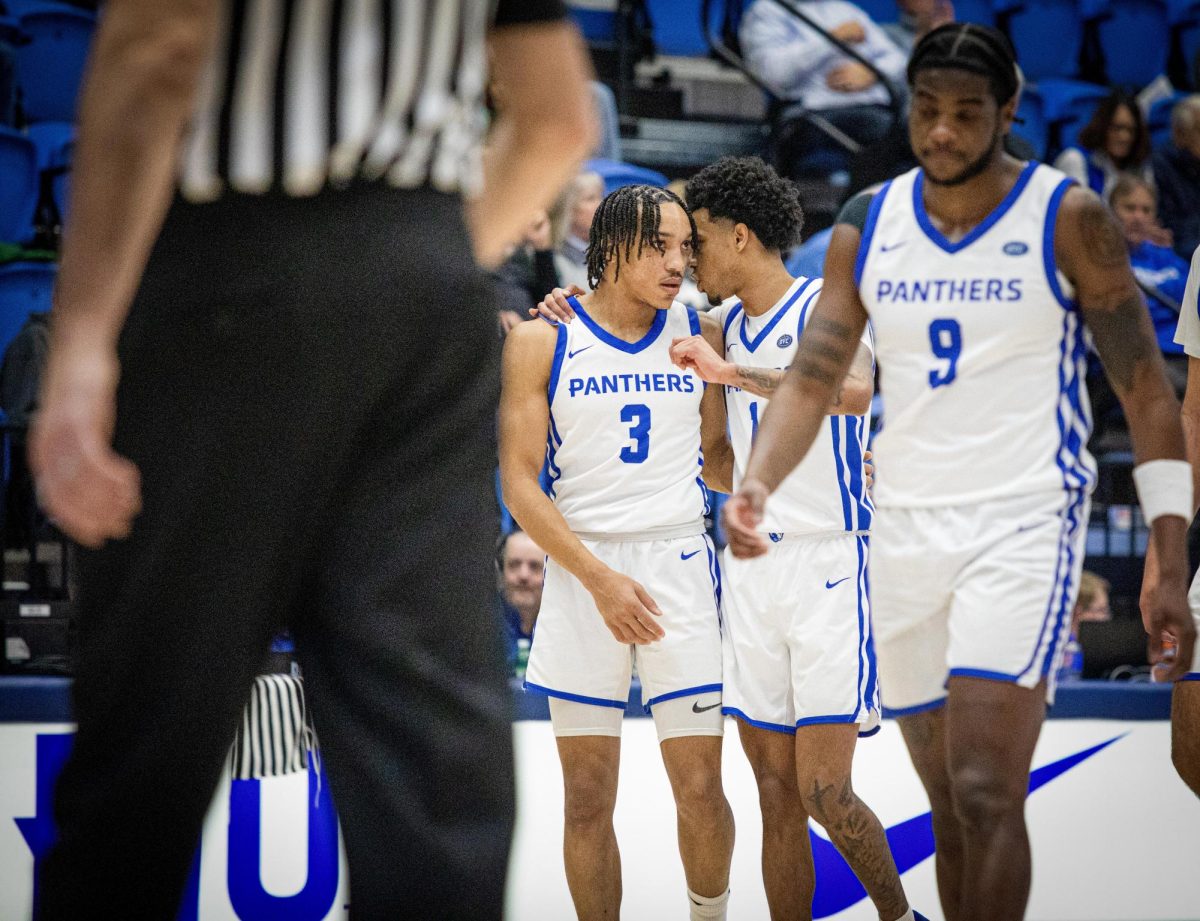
(957, 210)
(623, 317)
(770, 282)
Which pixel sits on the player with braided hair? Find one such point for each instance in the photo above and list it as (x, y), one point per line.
(631, 573)
(980, 275)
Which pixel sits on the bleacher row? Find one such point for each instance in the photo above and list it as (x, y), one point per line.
(49, 43)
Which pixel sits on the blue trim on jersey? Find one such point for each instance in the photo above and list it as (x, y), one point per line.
(871, 692)
(892, 713)
(936, 236)
(758, 724)
(868, 231)
(840, 471)
(766, 330)
(656, 327)
(1055, 593)
(854, 462)
(730, 317)
(553, 443)
(714, 573)
(700, 689)
(983, 673)
(862, 632)
(824, 720)
(866, 735)
(1048, 261)
(560, 349)
(804, 314)
(577, 698)
(1190, 676)
(1067, 597)
(693, 321)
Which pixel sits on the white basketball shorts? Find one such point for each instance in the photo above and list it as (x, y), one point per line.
(575, 656)
(983, 591)
(797, 637)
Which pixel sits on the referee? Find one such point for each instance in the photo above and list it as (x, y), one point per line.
(270, 402)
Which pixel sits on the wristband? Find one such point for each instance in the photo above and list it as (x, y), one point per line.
(1164, 487)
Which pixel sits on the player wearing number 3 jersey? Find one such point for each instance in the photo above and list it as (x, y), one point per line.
(631, 575)
(980, 274)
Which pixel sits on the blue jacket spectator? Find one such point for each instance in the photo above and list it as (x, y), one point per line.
(1115, 140)
(522, 565)
(1177, 176)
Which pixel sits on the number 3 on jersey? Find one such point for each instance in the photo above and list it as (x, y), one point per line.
(945, 338)
(639, 415)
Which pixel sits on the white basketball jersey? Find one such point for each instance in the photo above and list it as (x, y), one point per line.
(827, 491)
(623, 453)
(980, 346)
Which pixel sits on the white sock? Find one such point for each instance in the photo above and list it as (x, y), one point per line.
(704, 908)
(907, 916)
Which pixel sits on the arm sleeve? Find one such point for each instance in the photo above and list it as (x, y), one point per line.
(1187, 333)
(781, 51)
(527, 12)
(854, 212)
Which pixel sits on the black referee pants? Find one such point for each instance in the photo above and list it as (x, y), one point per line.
(308, 388)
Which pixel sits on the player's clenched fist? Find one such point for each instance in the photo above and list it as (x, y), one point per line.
(693, 353)
(742, 515)
(627, 608)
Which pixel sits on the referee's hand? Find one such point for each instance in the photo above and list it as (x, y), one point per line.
(86, 489)
(627, 608)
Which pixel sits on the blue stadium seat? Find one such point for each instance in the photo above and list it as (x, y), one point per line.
(979, 11)
(1047, 34)
(597, 25)
(25, 288)
(1034, 126)
(18, 186)
(53, 142)
(617, 174)
(677, 27)
(1068, 106)
(1159, 119)
(50, 67)
(1134, 38)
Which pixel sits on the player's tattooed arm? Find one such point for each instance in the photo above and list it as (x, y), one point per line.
(762, 382)
(714, 430)
(858, 386)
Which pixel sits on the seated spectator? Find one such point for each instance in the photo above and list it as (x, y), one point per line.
(527, 274)
(1090, 605)
(572, 223)
(801, 66)
(1177, 176)
(522, 566)
(1115, 141)
(916, 18)
(1159, 271)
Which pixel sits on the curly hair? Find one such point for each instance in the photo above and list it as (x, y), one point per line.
(628, 216)
(747, 191)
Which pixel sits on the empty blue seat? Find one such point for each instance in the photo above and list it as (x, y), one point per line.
(1134, 38)
(1068, 105)
(50, 67)
(25, 288)
(979, 11)
(1047, 34)
(617, 174)
(1159, 119)
(18, 186)
(596, 25)
(677, 27)
(53, 142)
(1033, 126)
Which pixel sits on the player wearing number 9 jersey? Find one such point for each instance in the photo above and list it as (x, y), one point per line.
(979, 274)
(631, 574)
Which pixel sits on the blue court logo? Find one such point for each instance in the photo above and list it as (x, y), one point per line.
(1016, 248)
(784, 341)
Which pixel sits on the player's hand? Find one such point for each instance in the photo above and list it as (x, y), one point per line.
(741, 515)
(851, 32)
(868, 469)
(1167, 616)
(88, 490)
(851, 77)
(693, 353)
(554, 306)
(627, 608)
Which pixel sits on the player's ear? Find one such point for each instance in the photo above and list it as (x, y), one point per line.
(741, 236)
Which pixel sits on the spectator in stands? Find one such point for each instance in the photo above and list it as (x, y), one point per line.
(1115, 141)
(916, 18)
(1092, 603)
(523, 277)
(801, 66)
(1160, 273)
(522, 565)
(572, 223)
(1177, 176)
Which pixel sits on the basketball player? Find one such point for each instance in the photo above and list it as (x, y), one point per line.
(978, 273)
(631, 574)
(1185, 698)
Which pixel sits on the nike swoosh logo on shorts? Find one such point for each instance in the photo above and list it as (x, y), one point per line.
(688, 556)
(696, 708)
(579, 351)
(829, 584)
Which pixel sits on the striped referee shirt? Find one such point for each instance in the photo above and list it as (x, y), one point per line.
(301, 94)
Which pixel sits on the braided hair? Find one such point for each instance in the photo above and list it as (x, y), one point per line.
(969, 46)
(626, 217)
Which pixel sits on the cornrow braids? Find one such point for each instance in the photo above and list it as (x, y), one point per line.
(972, 47)
(627, 216)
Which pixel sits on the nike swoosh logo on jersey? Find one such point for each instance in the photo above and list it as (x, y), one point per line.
(829, 584)
(579, 351)
(696, 708)
(688, 556)
(887, 248)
